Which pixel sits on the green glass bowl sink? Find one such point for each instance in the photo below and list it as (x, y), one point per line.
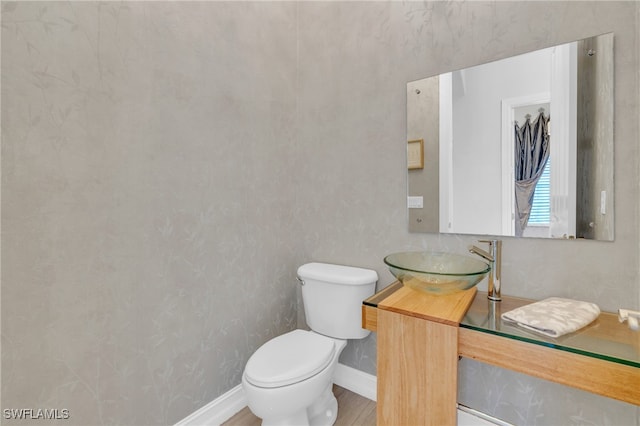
(435, 272)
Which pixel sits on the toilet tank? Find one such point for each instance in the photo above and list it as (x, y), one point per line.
(332, 297)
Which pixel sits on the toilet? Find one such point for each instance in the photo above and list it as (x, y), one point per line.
(289, 379)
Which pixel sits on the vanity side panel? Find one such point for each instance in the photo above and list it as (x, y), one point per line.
(417, 371)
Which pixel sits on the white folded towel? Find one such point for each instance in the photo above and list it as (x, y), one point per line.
(554, 316)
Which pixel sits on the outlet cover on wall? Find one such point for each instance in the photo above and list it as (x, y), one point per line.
(414, 202)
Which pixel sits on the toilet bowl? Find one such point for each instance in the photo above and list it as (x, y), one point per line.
(289, 379)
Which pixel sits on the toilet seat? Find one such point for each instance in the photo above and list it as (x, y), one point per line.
(289, 358)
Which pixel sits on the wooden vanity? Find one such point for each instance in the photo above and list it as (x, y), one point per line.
(421, 336)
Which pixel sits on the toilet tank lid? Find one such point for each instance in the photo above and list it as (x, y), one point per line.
(338, 274)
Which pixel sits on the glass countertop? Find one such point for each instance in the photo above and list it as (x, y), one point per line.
(605, 338)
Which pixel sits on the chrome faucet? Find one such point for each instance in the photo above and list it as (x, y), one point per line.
(494, 256)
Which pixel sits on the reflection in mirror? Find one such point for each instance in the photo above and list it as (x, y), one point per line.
(518, 147)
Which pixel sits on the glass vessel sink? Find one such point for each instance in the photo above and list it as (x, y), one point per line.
(435, 272)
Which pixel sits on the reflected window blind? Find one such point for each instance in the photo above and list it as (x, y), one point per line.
(541, 209)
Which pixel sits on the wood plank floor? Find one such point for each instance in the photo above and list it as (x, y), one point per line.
(353, 410)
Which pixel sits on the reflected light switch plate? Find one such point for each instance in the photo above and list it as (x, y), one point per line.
(414, 202)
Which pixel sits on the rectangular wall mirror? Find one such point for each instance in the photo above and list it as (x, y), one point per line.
(519, 147)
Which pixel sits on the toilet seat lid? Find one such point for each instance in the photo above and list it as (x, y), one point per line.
(289, 359)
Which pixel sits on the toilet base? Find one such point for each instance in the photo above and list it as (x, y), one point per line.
(323, 412)
(298, 418)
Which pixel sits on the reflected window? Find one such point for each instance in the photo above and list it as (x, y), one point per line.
(541, 208)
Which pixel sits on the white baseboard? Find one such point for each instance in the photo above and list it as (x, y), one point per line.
(229, 404)
(226, 406)
(217, 411)
(470, 417)
(356, 381)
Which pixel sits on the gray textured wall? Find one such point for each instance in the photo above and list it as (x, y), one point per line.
(166, 166)
(146, 202)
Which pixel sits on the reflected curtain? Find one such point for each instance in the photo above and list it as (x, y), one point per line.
(532, 153)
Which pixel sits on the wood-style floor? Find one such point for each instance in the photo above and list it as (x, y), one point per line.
(353, 410)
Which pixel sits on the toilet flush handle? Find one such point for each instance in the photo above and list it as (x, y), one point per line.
(300, 280)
